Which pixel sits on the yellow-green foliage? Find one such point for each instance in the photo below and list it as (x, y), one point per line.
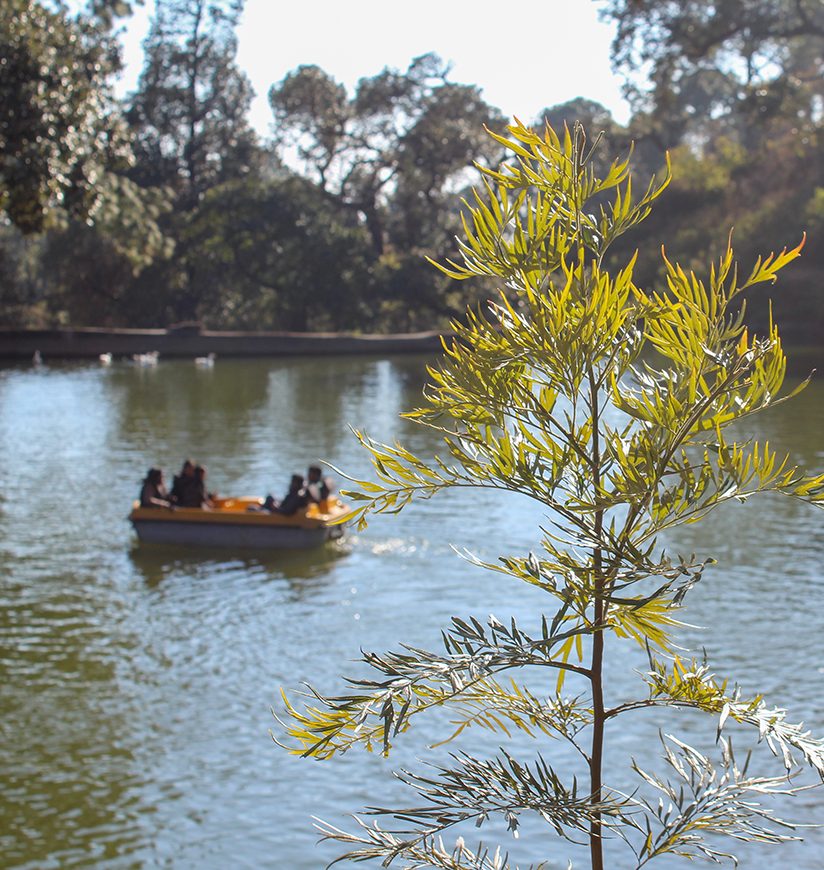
(610, 405)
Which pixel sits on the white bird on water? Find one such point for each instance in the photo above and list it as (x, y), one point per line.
(205, 362)
(105, 359)
(146, 359)
(37, 359)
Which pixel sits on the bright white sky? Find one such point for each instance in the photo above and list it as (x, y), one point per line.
(523, 55)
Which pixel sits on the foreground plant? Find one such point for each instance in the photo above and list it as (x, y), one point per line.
(609, 405)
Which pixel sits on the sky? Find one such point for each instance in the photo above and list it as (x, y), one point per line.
(524, 56)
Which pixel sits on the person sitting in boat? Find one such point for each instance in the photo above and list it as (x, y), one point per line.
(295, 498)
(318, 487)
(153, 493)
(185, 490)
(205, 498)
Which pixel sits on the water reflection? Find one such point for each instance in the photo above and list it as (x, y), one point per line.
(158, 563)
(177, 390)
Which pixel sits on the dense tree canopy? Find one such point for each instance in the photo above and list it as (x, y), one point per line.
(738, 89)
(189, 115)
(59, 128)
(406, 133)
(167, 206)
(714, 67)
(275, 252)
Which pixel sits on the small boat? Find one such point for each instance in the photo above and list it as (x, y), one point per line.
(240, 523)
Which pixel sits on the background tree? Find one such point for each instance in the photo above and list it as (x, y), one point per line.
(708, 68)
(737, 86)
(23, 296)
(93, 267)
(396, 155)
(553, 395)
(189, 117)
(189, 114)
(279, 253)
(770, 191)
(60, 129)
(406, 135)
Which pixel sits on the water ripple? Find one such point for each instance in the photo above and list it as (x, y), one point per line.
(137, 682)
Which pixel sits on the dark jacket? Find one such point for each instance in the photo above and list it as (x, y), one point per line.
(293, 501)
(187, 491)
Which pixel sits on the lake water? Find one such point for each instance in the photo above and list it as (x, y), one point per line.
(137, 682)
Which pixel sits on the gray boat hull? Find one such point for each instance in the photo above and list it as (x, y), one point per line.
(234, 535)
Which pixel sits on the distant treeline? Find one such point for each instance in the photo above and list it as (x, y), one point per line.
(168, 207)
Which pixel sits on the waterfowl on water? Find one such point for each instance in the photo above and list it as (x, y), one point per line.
(146, 359)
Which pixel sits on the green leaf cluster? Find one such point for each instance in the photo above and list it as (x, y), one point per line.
(613, 407)
(60, 130)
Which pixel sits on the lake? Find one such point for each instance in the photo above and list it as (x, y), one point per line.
(138, 682)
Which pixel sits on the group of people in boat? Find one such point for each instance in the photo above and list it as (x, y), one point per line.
(189, 490)
(314, 488)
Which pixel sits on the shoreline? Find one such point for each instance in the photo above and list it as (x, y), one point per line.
(191, 341)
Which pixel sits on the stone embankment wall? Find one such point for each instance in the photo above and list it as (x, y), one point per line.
(191, 341)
